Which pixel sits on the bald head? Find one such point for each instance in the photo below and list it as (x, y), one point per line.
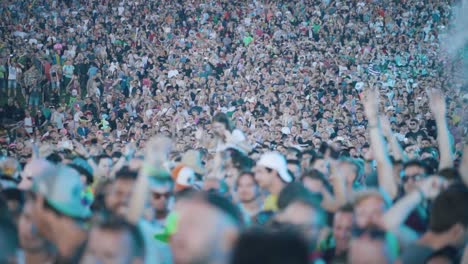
(32, 169)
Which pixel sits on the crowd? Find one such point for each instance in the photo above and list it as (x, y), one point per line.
(313, 131)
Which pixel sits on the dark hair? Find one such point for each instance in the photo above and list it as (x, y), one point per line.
(103, 156)
(316, 175)
(273, 247)
(417, 163)
(296, 191)
(224, 119)
(450, 174)
(119, 224)
(54, 158)
(126, 174)
(454, 198)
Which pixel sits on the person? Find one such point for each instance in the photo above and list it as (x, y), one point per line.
(9, 244)
(272, 175)
(341, 236)
(270, 247)
(36, 249)
(370, 246)
(248, 193)
(58, 213)
(196, 241)
(114, 240)
(447, 228)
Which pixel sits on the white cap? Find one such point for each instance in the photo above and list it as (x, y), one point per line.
(277, 162)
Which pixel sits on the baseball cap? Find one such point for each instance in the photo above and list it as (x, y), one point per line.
(277, 162)
(62, 189)
(183, 177)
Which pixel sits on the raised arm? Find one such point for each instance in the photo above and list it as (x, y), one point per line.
(398, 213)
(377, 143)
(439, 110)
(395, 146)
(156, 155)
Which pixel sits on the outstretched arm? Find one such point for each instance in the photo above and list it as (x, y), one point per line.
(439, 110)
(378, 146)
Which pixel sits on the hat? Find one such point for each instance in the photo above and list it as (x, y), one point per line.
(277, 162)
(286, 130)
(62, 188)
(183, 177)
(192, 159)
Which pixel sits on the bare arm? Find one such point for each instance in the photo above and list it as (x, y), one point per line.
(378, 146)
(395, 146)
(464, 166)
(439, 110)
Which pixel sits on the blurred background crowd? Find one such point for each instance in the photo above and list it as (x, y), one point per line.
(313, 131)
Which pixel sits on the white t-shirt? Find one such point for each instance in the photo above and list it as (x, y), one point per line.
(12, 72)
(28, 124)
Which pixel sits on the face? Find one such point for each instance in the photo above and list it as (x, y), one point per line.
(368, 211)
(304, 217)
(367, 251)
(342, 224)
(160, 196)
(247, 189)
(105, 166)
(412, 176)
(263, 177)
(218, 128)
(28, 236)
(313, 185)
(197, 239)
(119, 195)
(108, 246)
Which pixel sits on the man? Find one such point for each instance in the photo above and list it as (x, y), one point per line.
(447, 228)
(272, 175)
(104, 168)
(342, 225)
(248, 193)
(114, 240)
(415, 132)
(35, 248)
(371, 246)
(201, 218)
(161, 192)
(117, 202)
(302, 210)
(58, 213)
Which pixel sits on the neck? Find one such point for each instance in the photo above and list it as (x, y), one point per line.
(251, 206)
(435, 241)
(276, 187)
(70, 239)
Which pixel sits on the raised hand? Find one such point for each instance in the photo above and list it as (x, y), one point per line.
(385, 125)
(437, 103)
(371, 103)
(432, 186)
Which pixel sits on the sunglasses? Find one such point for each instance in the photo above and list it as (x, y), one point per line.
(416, 177)
(158, 196)
(371, 232)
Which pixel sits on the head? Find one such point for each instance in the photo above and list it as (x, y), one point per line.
(29, 238)
(342, 225)
(369, 206)
(247, 187)
(201, 218)
(114, 240)
(104, 165)
(352, 168)
(120, 191)
(271, 172)
(413, 172)
(221, 123)
(266, 246)
(314, 181)
(370, 246)
(161, 191)
(451, 224)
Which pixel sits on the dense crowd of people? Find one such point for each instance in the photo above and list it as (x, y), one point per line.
(313, 131)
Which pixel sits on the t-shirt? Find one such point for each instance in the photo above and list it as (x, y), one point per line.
(12, 73)
(68, 71)
(156, 251)
(416, 253)
(271, 203)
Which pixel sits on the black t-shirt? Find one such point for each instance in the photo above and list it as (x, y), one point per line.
(415, 135)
